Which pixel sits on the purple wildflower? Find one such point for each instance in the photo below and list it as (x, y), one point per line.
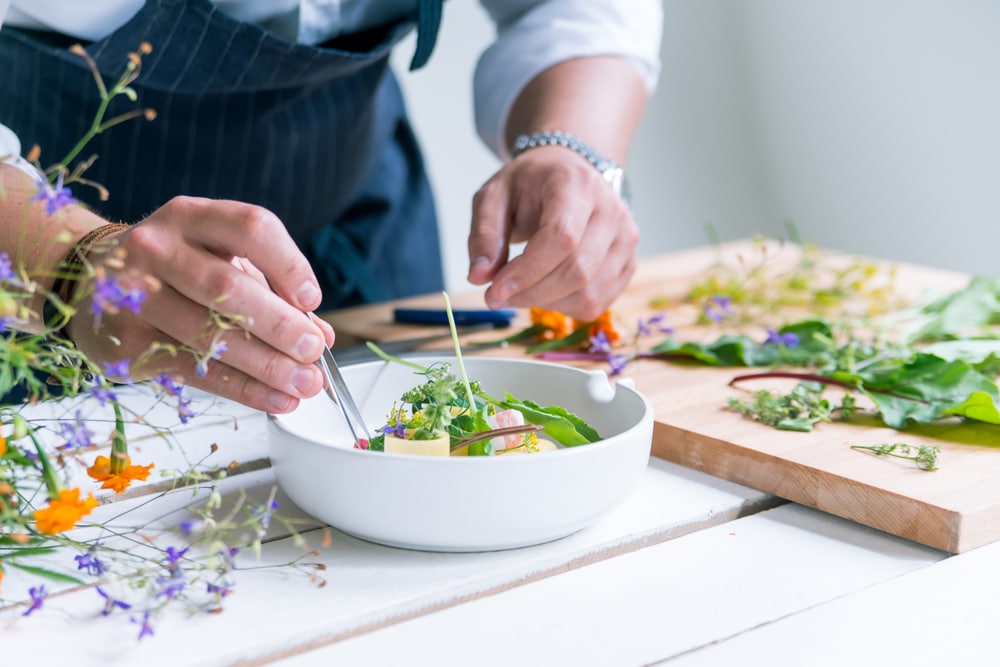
(599, 342)
(173, 558)
(5, 323)
(657, 321)
(55, 196)
(147, 627)
(618, 363)
(264, 512)
(75, 433)
(38, 595)
(228, 555)
(102, 394)
(171, 388)
(218, 347)
(119, 369)
(110, 297)
(718, 307)
(190, 526)
(168, 385)
(789, 339)
(6, 269)
(110, 603)
(220, 590)
(89, 563)
(184, 411)
(214, 352)
(397, 430)
(172, 585)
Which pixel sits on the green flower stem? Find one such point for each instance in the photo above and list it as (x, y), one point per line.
(98, 125)
(812, 377)
(119, 445)
(496, 433)
(52, 483)
(385, 356)
(458, 353)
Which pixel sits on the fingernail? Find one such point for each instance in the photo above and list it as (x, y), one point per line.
(504, 291)
(309, 295)
(279, 401)
(303, 379)
(482, 260)
(309, 345)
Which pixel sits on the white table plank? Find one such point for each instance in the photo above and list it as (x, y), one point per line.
(368, 585)
(945, 614)
(654, 603)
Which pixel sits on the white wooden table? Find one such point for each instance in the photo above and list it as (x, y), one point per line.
(690, 570)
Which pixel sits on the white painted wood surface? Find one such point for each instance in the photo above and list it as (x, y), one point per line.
(656, 603)
(274, 613)
(691, 570)
(940, 615)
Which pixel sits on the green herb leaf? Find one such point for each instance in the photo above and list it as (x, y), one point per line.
(46, 573)
(961, 312)
(560, 424)
(579, 335)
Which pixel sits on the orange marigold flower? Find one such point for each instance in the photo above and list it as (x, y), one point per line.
(555, 323)
(3, 445)
(606, 324)
(101, 471)
(63, 513)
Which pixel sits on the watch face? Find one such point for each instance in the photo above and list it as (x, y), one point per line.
(615, 176)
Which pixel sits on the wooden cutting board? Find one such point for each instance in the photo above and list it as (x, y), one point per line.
(955, 508)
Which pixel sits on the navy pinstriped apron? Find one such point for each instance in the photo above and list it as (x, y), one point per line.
(318, 135)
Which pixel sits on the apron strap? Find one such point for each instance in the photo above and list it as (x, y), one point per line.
(428, 22)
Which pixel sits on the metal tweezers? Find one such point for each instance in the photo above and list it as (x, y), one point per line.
(336, 389)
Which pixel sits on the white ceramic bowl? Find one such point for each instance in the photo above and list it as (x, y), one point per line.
(464, 503)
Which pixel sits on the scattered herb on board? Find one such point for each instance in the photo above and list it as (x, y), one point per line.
(925, 457)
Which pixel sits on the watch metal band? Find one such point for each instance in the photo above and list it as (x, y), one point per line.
(609, 169)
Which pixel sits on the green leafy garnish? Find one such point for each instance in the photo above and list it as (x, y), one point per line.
(459, 407)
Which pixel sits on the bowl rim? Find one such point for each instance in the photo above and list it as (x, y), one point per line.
(275, 420)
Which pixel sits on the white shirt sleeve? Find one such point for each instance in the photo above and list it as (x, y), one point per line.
(533, 35)
(10, 151)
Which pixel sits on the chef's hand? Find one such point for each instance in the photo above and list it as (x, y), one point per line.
(581, 238)
(206, 255)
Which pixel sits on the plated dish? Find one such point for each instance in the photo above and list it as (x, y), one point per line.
(464, 503)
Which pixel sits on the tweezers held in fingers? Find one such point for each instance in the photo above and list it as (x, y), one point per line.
(336, 389)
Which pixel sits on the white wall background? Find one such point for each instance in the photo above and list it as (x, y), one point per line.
(874, 125)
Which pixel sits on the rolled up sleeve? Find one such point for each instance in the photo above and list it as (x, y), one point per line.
(533, 35)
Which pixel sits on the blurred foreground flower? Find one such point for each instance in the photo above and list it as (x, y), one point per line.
(64, 512)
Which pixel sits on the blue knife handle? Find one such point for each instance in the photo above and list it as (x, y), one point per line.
(498, 318)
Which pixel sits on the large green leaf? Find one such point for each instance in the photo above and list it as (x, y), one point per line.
(979, 406)
(560, 424)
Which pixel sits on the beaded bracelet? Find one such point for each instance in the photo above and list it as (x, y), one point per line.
(71, 266)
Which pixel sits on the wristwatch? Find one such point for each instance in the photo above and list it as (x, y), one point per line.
(609, 169)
